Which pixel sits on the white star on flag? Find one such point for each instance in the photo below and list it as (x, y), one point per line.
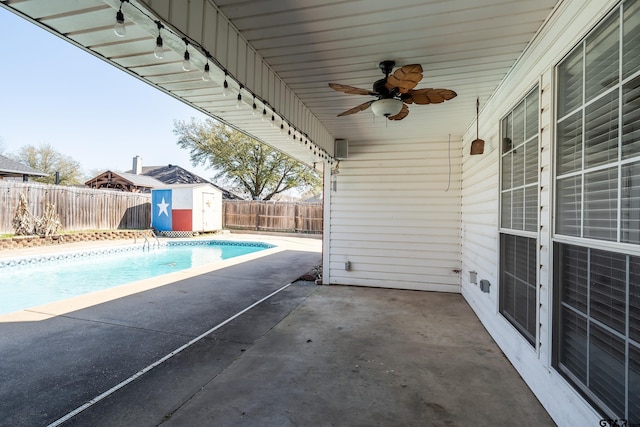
(163, 208)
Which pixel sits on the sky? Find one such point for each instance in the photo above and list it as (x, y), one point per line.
(52, 92)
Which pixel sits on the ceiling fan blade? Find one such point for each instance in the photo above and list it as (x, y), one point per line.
(350, 89)
(405, 78)
(356, 109)
(402, 114)
(428, 96)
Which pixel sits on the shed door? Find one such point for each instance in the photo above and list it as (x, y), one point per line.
(208, 211)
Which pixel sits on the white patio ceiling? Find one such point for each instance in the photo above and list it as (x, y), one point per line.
(464, 45)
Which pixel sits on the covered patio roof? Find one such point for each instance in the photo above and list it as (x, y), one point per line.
(284, 53)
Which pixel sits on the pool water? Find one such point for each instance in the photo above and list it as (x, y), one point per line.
(34, 282)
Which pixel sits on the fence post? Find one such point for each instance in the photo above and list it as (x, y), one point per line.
(224, 214)
(258, 205)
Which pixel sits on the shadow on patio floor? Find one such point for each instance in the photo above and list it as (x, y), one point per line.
(334, 355)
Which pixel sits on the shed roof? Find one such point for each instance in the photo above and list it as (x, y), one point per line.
(124, 181)
(141, 180)
(196, 185)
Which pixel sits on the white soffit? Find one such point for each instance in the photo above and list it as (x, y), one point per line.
(287, 52)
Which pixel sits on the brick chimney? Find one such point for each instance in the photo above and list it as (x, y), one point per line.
(137, 165)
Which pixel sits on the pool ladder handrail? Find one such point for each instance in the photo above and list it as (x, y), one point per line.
(155, 237)
(147, 243)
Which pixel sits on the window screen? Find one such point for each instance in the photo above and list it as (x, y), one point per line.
(598, 291)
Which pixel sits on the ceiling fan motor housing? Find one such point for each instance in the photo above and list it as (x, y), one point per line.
(382, 91)
(387, 67)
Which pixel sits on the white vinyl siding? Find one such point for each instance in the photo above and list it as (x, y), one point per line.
(393, 218)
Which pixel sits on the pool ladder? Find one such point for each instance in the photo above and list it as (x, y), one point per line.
(147, 242)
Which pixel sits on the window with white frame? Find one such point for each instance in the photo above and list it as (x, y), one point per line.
(597, 215)
(519, 215)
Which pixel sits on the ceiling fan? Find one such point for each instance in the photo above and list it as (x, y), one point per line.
(394, 92)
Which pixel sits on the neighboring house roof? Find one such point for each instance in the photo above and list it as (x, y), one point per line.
(124, 181)
(173, 174)
(192, 186)
(12, 168)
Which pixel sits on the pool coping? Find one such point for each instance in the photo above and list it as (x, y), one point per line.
(8, 262)
(59, 308)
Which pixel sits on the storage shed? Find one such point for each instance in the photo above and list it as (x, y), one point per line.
(186, 208)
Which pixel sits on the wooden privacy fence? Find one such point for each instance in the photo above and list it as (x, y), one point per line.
(272, 216)
(89, 209)
(79, 208)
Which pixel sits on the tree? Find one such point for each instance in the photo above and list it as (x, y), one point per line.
(46, 159)
(252, 167)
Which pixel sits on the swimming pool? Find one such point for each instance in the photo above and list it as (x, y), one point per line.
(27, 282)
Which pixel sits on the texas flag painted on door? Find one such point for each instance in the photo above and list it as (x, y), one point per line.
(170, 213)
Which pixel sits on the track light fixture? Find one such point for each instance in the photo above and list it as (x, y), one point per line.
(119, 27)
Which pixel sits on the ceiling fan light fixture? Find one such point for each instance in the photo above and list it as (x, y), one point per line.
(386, 107)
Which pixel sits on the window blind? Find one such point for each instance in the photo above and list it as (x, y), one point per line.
(631, 39)
(569, 144)
(630, 203)
(631, 118)
(601, 131)
(606, 368)
(602, 57)
(601, 204)
(570, 83)
(569, 206)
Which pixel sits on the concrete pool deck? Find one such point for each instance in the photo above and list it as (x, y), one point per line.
(307, 355)
(282, 242)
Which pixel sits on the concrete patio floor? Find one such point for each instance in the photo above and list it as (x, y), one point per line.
(352, 356)
(307, 356)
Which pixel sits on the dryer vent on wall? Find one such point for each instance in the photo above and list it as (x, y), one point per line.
(341, 149)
